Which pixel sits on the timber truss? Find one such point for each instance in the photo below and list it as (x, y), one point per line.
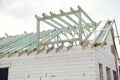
(76, 27)
(68, 27)
(65, 29)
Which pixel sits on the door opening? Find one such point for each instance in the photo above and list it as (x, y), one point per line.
(108, 73)
(114, 75)
(101, 71)
(3, 73)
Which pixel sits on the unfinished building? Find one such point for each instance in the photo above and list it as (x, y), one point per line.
(73, 47)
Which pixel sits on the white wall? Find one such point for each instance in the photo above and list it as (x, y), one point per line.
(76, 64)
(106, 58)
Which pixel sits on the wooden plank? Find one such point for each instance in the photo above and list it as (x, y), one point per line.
(49, 49)
(70, 46)
(59, 47)
(55, 16)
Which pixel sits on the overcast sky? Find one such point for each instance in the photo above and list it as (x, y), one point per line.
(17, 16)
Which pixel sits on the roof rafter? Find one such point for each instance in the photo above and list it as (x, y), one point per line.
(72, 28)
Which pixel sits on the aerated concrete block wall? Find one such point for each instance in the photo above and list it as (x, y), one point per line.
(75, 64)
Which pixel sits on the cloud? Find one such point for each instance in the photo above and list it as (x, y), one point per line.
(17, 16)
(21, 13)
(13, 25)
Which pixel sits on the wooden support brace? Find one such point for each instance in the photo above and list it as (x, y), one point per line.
(101, 45)
(21, 53)
(40, 50)
(3, 55)
(49, 49)
(29, 52)
(70, 46)
(12, 53)
(85, 44)
(59, 48)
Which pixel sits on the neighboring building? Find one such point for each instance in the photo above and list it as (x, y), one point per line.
(75, 48)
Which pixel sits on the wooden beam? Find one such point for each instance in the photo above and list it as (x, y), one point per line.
(59, 47)
(85, 40)
(85, 14)
(40, 50)
(70, 46)
(50, 48)
(56, 15)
